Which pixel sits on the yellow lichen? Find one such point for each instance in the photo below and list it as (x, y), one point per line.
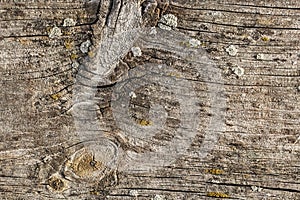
(48, 29)
(144, 122)
(69, 44)
(177, 75)
(67, 32)
(91, 54)
(74, 56)
(265, 39)
(24, 41)
(214, 171)
(217, 194)
(185, 44)
(55, 96)
(94, 192)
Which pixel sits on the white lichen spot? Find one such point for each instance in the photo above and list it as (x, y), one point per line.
(194, 42)
(214, 13)
(84, 47)
(159, 197)
(136, 51)
(261, 57)
(238, 71)
(167, 22)
(132, 94)
(75, 65)
(69, 22)
(55, 32)
(153, 31)
(298, 88)
(231, 50)
(133, 193)
(294, 62)
(256, 189)
(162, 26)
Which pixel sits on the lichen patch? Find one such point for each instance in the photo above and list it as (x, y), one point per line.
(55, 32)
(231, 50)
(136, 51)
(167, 22)
(238, 71)
(84, 47)
(69, 22)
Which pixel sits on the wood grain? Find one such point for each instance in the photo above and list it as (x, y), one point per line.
(256, 156)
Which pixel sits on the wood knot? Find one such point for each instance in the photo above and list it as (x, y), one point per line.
(92, 162)
(84, 164)
(56, 184)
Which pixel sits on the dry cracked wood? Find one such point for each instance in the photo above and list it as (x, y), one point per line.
(44, 153)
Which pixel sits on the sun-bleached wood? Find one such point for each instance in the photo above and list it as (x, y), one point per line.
(256, 156)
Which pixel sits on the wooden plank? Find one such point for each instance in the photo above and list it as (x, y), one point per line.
(46, 151)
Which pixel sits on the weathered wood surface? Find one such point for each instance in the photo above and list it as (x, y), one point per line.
(256, 156)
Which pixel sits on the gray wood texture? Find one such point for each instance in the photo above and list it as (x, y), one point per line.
(240, 85)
